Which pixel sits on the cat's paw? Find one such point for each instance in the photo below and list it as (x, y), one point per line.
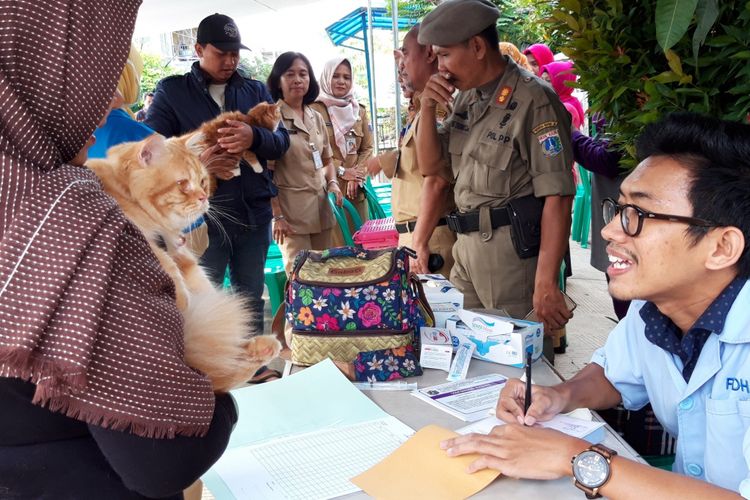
(263, 348)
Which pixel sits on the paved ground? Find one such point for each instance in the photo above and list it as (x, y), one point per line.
(594, 317)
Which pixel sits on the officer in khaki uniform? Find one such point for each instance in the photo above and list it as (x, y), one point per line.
(509, 142)
(359, 150)
(420, 201)
(300, 176)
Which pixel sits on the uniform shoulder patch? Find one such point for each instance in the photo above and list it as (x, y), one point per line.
(544, 126)
(550, 143)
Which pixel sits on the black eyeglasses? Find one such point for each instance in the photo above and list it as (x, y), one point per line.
(631, 217)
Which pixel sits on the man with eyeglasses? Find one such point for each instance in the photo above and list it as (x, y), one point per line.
(678, 246)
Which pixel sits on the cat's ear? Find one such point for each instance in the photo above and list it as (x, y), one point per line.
(152, 148)
(195, 142)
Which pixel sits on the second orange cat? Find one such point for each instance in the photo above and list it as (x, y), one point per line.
(264, 114)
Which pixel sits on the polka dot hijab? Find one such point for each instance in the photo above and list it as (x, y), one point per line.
(86, 313)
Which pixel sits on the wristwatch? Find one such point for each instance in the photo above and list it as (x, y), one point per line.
(592, 469)
(340, 171)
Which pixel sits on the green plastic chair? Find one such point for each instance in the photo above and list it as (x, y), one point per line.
(663, 462)
(581, 226)
(374, 210)
(340, 214)
(274, 277)
(381, 197)
(383, 193)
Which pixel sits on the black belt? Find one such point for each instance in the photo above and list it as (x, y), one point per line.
(469, 222)
(408, 227)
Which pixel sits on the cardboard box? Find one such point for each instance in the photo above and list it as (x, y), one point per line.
(436, 348)
(445, 300)
(502, 348)
(439, 290)
(485, 325)
(443, 311)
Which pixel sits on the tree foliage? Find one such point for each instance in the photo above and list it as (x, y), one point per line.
(521, 22)
(256, 68)
(640, 60)
(154, 69)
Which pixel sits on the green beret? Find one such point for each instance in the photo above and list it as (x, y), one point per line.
(456, 21)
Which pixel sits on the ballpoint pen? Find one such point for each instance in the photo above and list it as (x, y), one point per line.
(527, 401)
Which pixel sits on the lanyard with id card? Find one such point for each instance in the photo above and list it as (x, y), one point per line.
(351, 144)
(317, 159)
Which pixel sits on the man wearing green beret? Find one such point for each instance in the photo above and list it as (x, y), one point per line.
(509, 143)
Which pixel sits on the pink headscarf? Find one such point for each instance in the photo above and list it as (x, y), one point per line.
(559, 73)
(344, 111)
(541, 53)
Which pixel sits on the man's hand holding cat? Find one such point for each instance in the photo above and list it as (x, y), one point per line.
(219, 163)
(238, 137)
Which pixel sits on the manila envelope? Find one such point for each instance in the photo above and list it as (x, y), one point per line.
(420, 469)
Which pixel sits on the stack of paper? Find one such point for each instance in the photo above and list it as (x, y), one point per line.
(303, 437)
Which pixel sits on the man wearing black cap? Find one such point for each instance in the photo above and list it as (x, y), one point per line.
(509, 143)
(239, 232)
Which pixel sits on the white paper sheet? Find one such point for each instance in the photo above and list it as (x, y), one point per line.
(470, 399)
(309, 400)
(316, 465)
(569, 425)
(315, 402)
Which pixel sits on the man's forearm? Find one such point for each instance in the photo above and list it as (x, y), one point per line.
(632, 480)
(429, 151)
(431, 208)
(589, 388)
(555, 234)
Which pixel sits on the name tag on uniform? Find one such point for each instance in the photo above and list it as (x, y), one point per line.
(317, 159)
(351, 145)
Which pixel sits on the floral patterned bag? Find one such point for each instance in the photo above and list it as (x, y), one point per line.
(348, 300)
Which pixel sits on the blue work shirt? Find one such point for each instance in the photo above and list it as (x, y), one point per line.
(709, 414)
(119, 128)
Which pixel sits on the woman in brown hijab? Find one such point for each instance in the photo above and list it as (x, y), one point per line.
(96, 399)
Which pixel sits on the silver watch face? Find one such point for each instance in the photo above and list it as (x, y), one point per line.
(591, 469)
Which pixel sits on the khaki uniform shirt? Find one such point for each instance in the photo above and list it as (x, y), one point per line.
(302, 187)
(508, 140)
(405, 171)
(358, 139)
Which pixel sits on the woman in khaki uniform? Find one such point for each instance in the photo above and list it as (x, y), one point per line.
(348, 131)
(302, 217)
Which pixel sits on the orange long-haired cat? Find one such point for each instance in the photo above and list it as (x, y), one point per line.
(264, 114)
(161, 186)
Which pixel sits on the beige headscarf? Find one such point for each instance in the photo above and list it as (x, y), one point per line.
(510, 50)
(344, 111)
(86, 312)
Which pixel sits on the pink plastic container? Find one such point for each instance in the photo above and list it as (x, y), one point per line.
(377, 233)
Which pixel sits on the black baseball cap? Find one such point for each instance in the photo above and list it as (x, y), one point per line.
(221, 32)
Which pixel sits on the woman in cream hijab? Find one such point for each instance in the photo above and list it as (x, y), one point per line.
(348, 131)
